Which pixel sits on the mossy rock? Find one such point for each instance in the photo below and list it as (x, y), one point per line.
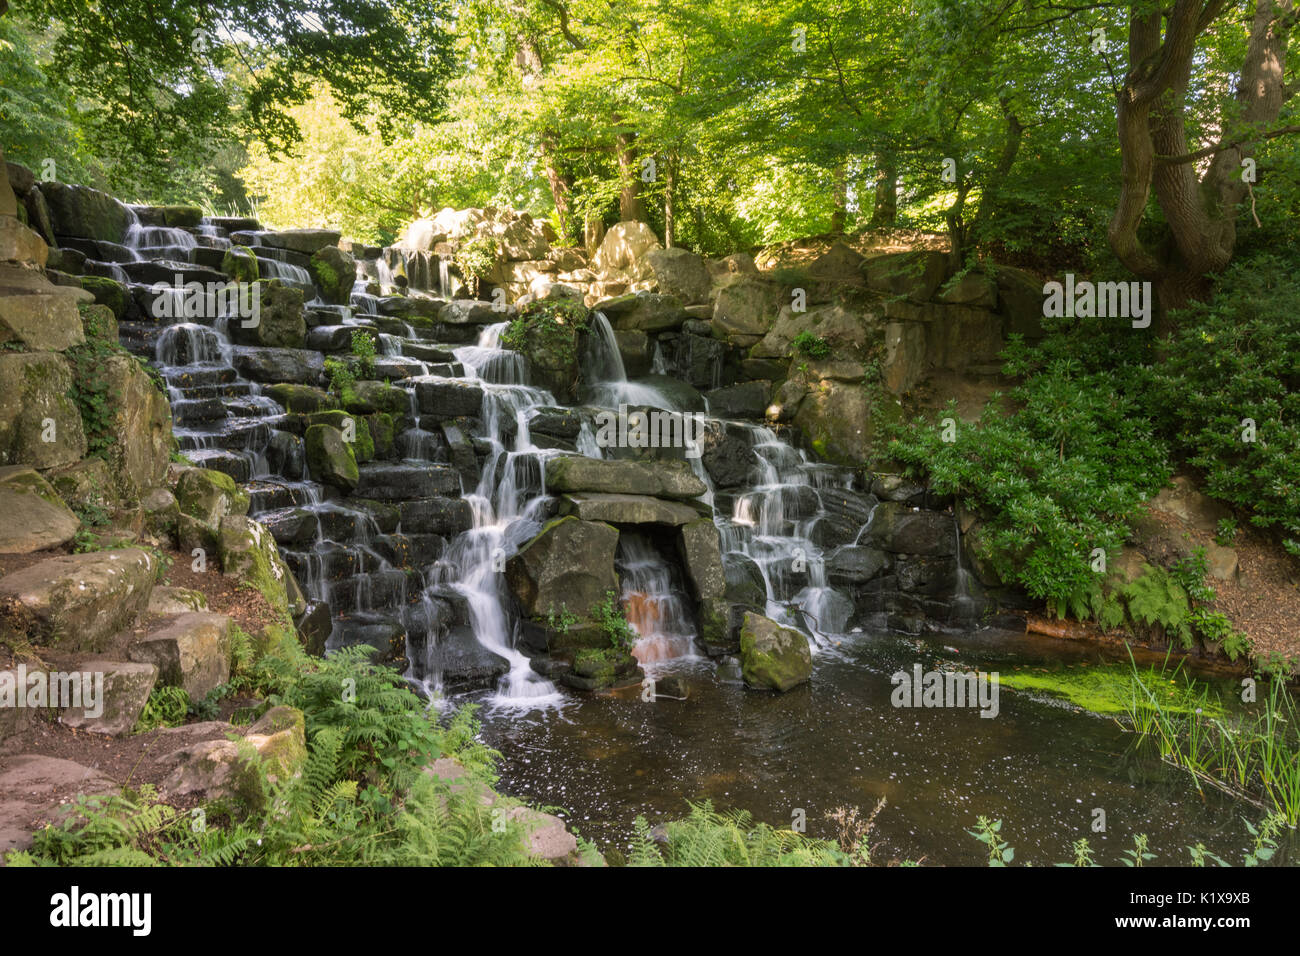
(248, 552)
(107, 292)
(240, 264)
(330, 458)
(772, 656)
(302, 399)
(367, 397)
(334, 272)
(209, 496)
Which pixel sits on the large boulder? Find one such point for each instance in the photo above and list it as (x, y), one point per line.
(279, 323)
(568, 565)
(85, 213)
(192, 651)
(126, 689)
(772, 656)
(701, 552)
(842, 420)
(680, 273)
(523, 239)
(623, 245)
(643, 312)
(40, 425)
(746, 306)
(223, 769)
(204, 498)
(845, 331)
(18, 243)
(274, 365)
(78, 601)
(915, 275)
(36, 314)
(248, 552)
(35, 518)
(902, 530)
(744, 400)
(660, 479)
(334, 272)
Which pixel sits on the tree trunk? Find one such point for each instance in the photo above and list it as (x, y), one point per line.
(1200, 230)
(670, 201)
(840, 194)
(630, 205)
(885, 212)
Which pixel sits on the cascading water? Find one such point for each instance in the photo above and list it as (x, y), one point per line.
(653, 602)
(506, 502)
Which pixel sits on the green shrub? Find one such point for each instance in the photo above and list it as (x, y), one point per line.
(1232, 359)
(811, 345)
(1061, 476)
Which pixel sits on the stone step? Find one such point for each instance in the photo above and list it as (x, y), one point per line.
(35, 518)
(402, 481)
(238, 467)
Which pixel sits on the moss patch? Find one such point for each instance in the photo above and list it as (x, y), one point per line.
(1104, 689)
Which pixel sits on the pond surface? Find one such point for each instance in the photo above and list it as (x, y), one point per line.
(1040, 765)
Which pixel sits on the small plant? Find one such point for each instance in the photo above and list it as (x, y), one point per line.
(474, 258)
(1138, 856)
(988, 832)
(1227, 532)
(563, 621)
(1265, 838)
(341, 378)
(363, 347)
(811, 345)
(1082, 851)
(166, 707)
(609, 615)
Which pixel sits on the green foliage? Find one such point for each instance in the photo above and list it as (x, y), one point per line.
(988, 832)
(95, 400)
(383, 732)
(166, 707)
(1057, 478)
(1231, 360)
(712, 838)
(342, 380)
(1226, 533)
(550, 327)
(475, 258)
(563, 621)
(806, 343)
(363, 347)
(609, 615)
(1158, 602)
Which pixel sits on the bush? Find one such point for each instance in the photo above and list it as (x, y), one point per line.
(1058, 478)
(1232, 359)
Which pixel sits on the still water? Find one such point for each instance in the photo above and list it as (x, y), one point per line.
(1041, 766)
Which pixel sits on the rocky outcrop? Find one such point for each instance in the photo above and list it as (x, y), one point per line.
(190, 652)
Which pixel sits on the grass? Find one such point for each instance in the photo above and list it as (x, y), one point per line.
(1253, 756)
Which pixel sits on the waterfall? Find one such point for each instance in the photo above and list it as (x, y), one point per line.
(653, 602)
(608, 376)
(510, 490)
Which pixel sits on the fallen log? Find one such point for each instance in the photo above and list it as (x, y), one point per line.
(1070, 630)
